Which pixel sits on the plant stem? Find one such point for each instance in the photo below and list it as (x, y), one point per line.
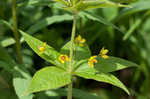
(15, 32)
(71, 55)
(69, 91)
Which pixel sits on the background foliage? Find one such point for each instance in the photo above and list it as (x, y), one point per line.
(124, 31)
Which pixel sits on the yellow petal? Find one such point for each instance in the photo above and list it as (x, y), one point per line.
(63, 58)
(83, 41)
(62, 61)
(80, 44)
(104, 56)
(79, 38)
(41, 49)
(93, 57)
(44, 45)
(103, 51)
(92, 61)
(67, 58)
(91, 64)
(80, 41)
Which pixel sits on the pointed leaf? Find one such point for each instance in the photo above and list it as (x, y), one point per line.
(100, 19)
(103, 77)
(136, 7)
(49, 78)
(113, 64)
(50, 54)
(105, 65)
(132, 28)
(21, 80)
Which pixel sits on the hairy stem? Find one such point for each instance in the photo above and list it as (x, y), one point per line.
(15, 32)
(71, 55)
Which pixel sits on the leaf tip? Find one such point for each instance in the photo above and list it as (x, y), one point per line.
(127, 91)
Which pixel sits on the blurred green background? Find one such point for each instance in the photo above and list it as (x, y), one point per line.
(124, 31)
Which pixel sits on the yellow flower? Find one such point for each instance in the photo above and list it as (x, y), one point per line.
(42, 48)
(92, 61)
(103, 53)
(63, 58)
(80, 41)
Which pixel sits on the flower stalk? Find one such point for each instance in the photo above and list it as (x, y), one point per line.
(15, 32)
(71, 55)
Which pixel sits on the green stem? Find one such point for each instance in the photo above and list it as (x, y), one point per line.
(69, 91)
(71, 55)
(15, 32)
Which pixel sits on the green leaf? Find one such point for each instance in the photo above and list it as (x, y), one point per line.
(8, 41)
(82, 66)
(37, 26)
(76, 93)
(100, 19)
(105, 65)
(103, 77)
(4, 56)
(83, 94)
(34, 3)
(136, 7)
(50, 54)
(132, 28)
(64, 2)
(47, 21)
(7, 24)
(100, 72)
(80, 53)
(113, 64)
(124, 1)
(90, 4)
(49, 78)
(6, 60)
(21, 80)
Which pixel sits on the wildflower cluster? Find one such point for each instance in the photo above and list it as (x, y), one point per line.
(79, 41)
(92, 60)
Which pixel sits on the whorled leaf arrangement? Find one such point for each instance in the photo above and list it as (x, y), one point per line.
(57, 76)
(80, 63)
(81, 5)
